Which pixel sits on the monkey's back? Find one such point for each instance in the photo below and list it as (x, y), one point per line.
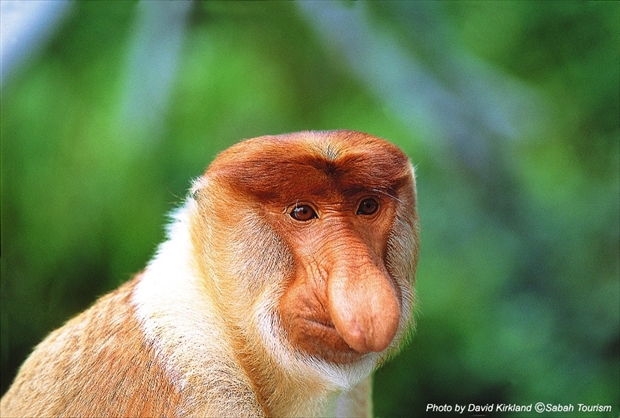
(98, 348)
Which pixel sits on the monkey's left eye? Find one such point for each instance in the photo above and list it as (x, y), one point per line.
(303, 213)
(367, 207)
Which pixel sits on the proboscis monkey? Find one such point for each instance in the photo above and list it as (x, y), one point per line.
(286, 278)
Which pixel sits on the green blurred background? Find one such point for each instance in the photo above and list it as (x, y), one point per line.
(509, 110)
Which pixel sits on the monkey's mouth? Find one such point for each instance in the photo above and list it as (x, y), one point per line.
(314, 333)
(323, 340)
(322, 323)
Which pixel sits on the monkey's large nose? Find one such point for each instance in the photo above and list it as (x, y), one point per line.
(363, 304)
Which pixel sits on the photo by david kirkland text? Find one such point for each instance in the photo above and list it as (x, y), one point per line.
(539, 407)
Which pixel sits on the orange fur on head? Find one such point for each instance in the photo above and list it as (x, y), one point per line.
(287, 277)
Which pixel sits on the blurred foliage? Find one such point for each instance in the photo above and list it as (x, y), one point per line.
(509, 110)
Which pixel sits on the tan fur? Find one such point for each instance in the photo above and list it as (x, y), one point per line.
(247, 310)
(99, 364)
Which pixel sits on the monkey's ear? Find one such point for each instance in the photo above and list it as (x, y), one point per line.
(197, 185)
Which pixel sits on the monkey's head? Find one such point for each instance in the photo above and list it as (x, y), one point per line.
(317, 241)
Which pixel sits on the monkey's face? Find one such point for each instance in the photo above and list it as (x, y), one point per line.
(341, 302)
(334, 215)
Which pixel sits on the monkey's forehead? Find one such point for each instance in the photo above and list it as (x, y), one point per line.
(311, 163)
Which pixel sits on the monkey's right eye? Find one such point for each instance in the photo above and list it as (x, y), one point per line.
(303, 213)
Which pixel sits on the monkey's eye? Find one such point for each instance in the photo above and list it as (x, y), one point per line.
(303, 213)
(367, 207)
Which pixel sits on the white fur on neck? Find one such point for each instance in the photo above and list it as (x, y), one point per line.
(171, 307)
